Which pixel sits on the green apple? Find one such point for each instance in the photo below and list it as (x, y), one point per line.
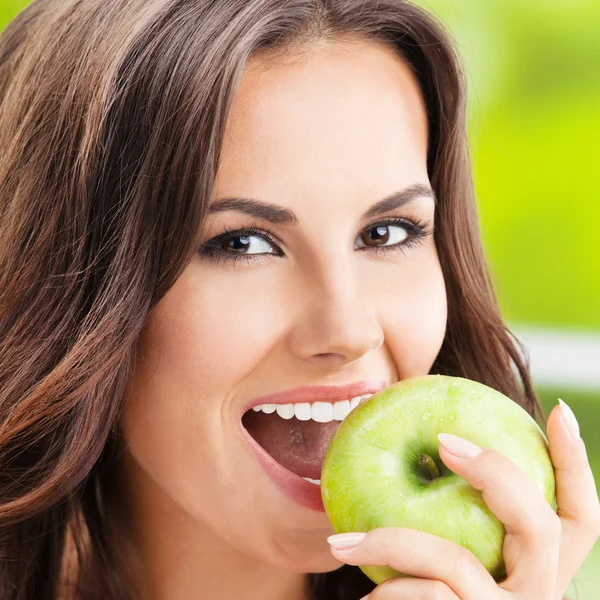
(382, 466)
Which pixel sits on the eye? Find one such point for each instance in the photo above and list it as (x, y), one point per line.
(382, 235)
(246, 243)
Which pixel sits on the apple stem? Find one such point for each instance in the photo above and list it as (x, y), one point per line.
(427, 467)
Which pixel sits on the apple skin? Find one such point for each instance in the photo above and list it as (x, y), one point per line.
(370, 477)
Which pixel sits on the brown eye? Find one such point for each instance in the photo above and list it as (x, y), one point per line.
(238, 244)
(382, 235)
(376, 236)
(244, 243)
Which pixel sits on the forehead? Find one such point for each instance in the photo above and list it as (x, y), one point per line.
(319, 120)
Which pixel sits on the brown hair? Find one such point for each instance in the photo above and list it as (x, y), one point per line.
(111, 119)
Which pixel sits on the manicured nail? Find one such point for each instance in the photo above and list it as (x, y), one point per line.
(459, 446)
(570, 421)
(345, 541)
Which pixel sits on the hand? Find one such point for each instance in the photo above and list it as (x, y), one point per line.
(543, 550)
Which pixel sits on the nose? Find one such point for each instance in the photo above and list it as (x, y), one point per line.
(336, 325)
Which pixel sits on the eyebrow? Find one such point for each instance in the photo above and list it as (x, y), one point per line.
(283, 216)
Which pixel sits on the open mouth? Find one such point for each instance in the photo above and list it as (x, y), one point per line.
(297, 435)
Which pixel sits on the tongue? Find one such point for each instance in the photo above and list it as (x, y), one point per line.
(299, 446)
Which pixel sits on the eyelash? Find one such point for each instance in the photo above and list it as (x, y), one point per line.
(417, 230)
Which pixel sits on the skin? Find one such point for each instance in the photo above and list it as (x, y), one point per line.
(326, 133)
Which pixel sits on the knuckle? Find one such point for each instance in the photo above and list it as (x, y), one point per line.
(503, 469)
(554, 526)
(582, 464)
(464, 564)
(546, 528)
(594, 522)
(386, 539)
(438, 590)
(386, 590)
(501, 463)
(412, 589)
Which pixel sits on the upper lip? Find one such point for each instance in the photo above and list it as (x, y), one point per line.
(319, 393)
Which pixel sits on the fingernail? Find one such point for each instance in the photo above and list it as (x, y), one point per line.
(345, 541)
(459, 446)
(570, 420)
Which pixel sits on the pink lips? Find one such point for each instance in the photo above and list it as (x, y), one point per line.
(291, 485)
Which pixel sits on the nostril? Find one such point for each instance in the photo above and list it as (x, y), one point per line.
(330, 355)
(335, 360)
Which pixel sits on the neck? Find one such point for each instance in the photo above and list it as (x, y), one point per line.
(171, 556)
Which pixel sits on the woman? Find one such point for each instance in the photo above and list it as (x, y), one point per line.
(212, 206)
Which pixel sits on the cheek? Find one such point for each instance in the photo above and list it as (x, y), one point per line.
(208, 336)
(414, 316)
(197, 345)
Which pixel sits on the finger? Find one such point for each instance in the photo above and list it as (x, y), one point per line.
(576, 495)
(532, 527)
(412, 589)
(424, 555)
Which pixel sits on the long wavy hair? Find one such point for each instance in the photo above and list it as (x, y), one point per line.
(112, 114)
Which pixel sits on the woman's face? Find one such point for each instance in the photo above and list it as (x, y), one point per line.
(332, 289)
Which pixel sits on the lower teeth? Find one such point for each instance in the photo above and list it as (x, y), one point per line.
(315, 481)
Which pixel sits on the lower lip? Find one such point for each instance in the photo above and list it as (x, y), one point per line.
(293, 486)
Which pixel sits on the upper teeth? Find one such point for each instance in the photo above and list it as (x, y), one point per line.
(322, 412)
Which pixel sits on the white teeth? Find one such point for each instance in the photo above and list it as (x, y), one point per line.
(285, 411)
(341, 409)
(303, 411)
(315, 481)
(321, 412)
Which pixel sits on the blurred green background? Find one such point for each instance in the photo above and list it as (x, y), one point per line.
(534, 118)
